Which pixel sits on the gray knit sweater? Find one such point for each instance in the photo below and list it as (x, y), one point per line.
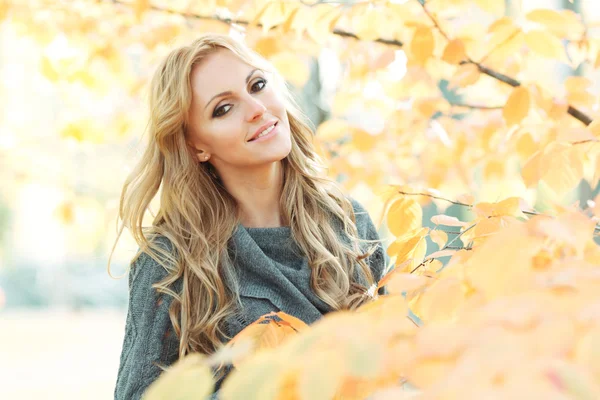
(273, 276)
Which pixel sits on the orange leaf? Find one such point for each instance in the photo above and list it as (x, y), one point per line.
(517, 106)
(422, 44)
(507, 207)
(465, 75)
(454, 52)
(577, 84)
(267, 332)
(405, 215)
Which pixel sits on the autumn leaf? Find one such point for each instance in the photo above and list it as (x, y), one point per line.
(422, 44)
(465, 75)
(268, 332)
(517, 106)
(404, 215)
(439, 237)
(293, 68)
(545, 44)
(507, 207)
(188, 379)
(139, 7)
(454, 52)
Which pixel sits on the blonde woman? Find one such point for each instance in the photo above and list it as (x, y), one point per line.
(247, 222)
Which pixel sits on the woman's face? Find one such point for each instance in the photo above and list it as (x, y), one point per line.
(232, 103)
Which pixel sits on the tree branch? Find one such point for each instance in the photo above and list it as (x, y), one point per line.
(476, 107)
(574, 112)
(458, 203)
(508, 39)
(446, 247)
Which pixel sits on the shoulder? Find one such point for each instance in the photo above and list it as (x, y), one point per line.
(152, 268)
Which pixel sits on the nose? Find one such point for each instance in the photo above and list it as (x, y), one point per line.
(255, 109)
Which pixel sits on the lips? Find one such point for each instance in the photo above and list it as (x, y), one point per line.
(261, 129)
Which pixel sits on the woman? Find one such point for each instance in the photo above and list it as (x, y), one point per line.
(247, 225)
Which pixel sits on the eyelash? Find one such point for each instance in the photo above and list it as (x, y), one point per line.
(217, 115)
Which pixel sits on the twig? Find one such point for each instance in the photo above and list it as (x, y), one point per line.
(476, 107)
(448, 246)
(435, 22)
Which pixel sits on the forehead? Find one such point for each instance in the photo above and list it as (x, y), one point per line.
(218, 72)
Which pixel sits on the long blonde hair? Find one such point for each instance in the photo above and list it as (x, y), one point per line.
(198, 216)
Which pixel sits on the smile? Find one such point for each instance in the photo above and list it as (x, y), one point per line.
(265, 134)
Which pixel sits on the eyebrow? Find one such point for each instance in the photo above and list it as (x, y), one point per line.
(227, 93)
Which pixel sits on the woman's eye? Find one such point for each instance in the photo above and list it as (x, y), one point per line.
(219, 111)
(264, 83)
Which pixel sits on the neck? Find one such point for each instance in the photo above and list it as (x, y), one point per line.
(257, 192)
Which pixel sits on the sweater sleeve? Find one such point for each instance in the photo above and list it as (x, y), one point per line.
(366, 230)
(149, 336)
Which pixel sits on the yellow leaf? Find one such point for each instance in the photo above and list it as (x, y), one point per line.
(405, 248)
(387, 306)
(545, 44)
(324, 18)
(495, 7)
(438, 237)
(526, 146)
(422, 44)
(594, 127)
(363, 140)
(507, 207)
(188, 379)
(454, 52)
(65, 213)
(139, 7)
(517, 106)
(577, 84)
(581, 99)
(440, 302)
(405, 282)
(48, 70)
(509, 273)
(562, 167)
(404, 215)
(269, 45)
(494, 169)
(292, 67)
(552, 20)
(291, 11)
(333, 129)
(531, 171)
(465, 75)
(367, 23)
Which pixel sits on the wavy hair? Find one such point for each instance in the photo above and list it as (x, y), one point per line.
(198, 216)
